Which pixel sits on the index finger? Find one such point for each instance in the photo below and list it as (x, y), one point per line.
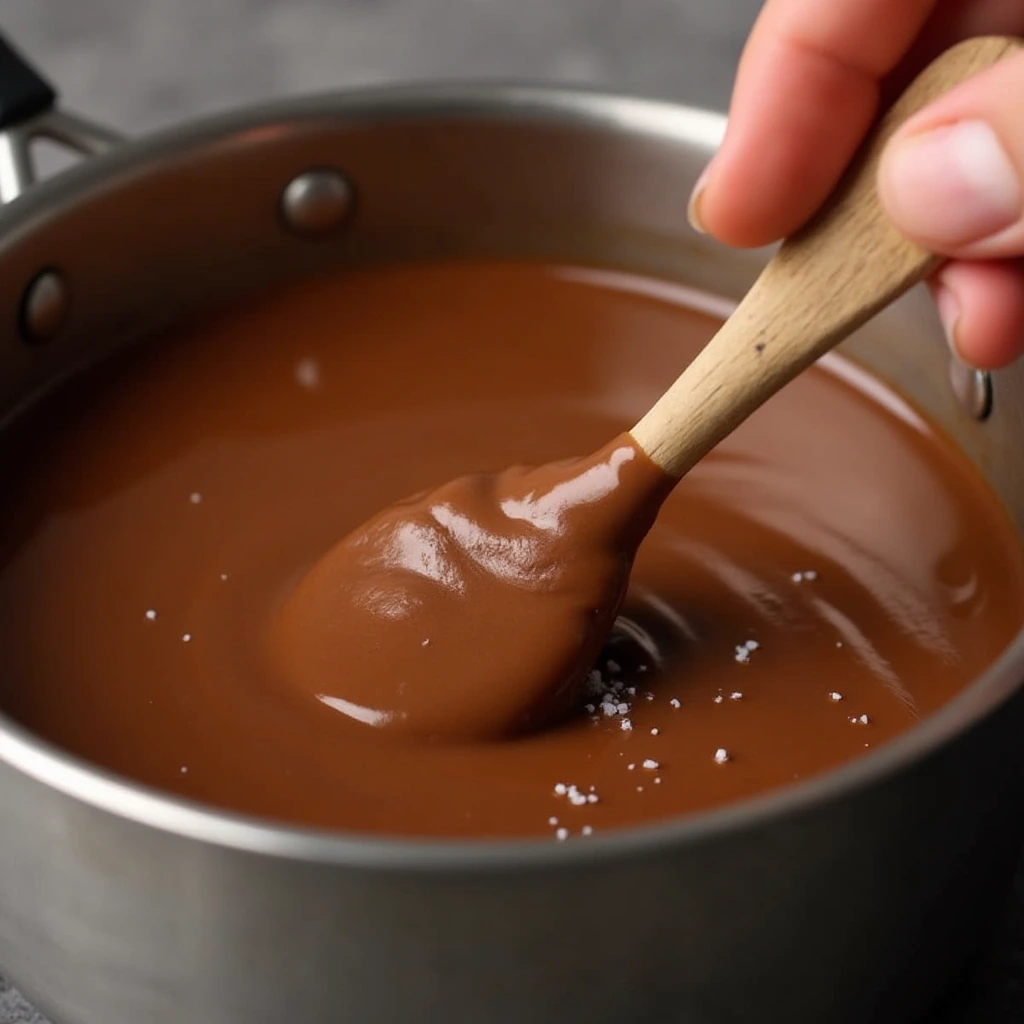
(806, 92)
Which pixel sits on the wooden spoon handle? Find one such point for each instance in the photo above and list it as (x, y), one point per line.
(823, 283)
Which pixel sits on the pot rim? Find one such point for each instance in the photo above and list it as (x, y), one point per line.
(79, 780)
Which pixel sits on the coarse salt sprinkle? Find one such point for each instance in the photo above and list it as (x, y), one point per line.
(575, 796)
(809, 575)
(744, 650)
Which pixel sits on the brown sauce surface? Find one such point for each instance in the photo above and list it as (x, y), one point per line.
(832, 573)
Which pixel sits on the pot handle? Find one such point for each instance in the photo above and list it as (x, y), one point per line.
(28, 112)
(24, 93)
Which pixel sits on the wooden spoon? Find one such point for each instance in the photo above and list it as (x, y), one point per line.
(841, 269)
(477, 610)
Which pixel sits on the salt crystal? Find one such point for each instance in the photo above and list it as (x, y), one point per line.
(718, 699)
(425, 643)
(223, 576)
(721, 755)
(622, 708)
(651, 764)
(562, 834)
(151, 615)
(736, 695)
(744, 650)
(675, 702)
(836, 696)
(587, 830)
(859, 719)
(195, 497)
(655, 731)
(186, 637)
(576, 798)
(630, 767)
(552, 821)
(648, 696)
(609, 709)
(614, 668)
(592, 798)
(184, 770)
(657, 780)
(625, 725)
(639, 789)
(590, 708)
(561, 789)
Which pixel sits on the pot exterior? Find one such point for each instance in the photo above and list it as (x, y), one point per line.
(861, 909)
(840, 910)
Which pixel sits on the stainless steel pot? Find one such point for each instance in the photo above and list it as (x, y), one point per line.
(853, 898)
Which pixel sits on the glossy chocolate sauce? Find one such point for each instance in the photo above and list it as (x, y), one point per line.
(531, 563)
(831, 573)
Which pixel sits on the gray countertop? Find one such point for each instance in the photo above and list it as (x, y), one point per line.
(141, 64)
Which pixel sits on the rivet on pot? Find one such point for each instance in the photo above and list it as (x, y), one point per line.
(316, 202)
(45, 306)
(972, 388)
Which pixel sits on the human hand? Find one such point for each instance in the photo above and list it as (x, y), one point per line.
(809, 86)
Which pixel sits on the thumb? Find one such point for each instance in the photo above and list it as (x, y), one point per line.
(952, 178)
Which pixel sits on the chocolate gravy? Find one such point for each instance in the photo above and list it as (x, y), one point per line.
(834, 571)
(528, 565)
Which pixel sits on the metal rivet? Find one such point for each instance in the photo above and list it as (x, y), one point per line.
(972, 388)
(316, 202)
(45, 306)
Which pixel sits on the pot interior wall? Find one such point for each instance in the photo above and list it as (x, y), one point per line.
(152, 234)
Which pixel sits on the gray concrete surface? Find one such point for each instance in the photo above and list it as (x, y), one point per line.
(141, 64)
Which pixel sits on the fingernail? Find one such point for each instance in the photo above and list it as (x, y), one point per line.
(952, 186)
(693, 210)
(948, 306)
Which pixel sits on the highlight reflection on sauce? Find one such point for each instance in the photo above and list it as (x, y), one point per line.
(832, 573)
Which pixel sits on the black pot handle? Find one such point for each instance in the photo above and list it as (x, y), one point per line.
(24, 93)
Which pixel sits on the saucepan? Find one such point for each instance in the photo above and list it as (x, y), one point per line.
(852, 897)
